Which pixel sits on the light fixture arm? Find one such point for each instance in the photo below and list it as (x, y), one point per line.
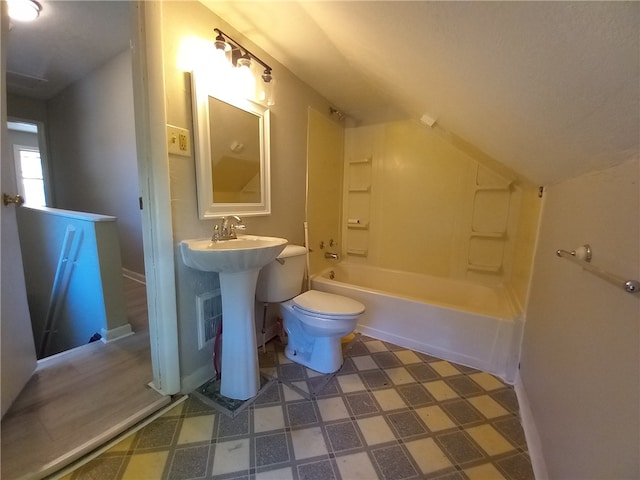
(267, 69)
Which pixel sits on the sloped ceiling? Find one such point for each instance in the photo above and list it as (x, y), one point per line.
(549, 89)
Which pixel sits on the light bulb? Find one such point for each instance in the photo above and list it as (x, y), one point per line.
(24, 10)
(246, 83)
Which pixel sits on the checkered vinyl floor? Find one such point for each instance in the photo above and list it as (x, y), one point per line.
(389, 413)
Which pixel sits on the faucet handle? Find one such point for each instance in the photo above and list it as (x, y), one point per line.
(237, 224)
(216, 233)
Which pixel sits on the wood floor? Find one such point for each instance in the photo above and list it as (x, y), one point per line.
(77, 400)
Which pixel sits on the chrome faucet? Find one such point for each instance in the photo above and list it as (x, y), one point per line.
(333, 256)
(226, 230)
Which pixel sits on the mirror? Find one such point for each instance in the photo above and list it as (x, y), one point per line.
(231, 139)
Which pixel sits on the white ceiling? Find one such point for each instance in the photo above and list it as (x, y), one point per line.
(549, 89)
(68, 40)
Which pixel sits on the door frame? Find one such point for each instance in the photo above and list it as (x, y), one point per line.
(153, 176)
(44, 155)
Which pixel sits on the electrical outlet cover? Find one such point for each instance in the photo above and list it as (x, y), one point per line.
(178, 141)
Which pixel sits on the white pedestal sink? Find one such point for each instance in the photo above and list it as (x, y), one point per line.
(238, 263)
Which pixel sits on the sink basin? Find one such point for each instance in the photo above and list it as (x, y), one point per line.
(247, 252)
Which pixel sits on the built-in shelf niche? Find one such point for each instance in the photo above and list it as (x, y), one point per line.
(490, 210)
(361, 161)
(486, 254)
(358, 226)
(489, 220)
(502, 235)
(358, 206)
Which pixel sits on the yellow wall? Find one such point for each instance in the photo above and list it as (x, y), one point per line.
(434, 208)
(524, 245)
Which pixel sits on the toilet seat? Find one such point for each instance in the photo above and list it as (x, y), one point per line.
(327, 305)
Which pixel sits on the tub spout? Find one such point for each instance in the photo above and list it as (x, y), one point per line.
(333, 256)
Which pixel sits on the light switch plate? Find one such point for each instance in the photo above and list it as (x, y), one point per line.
(178, 141)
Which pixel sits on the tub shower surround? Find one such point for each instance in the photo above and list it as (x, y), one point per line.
(463, 322)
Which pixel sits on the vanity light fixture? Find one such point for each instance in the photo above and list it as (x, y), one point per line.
(240, 56)
(24, 10)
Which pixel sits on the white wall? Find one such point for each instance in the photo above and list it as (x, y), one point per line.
(26, 139)
(93, 151)
(26, 108)
(580, 362)
(89, 296)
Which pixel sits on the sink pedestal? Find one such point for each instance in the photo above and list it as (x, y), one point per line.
(238, 262)
(240, 370)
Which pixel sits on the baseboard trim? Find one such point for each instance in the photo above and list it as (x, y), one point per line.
(202, 375)
(135, 276)
(534, 445)
(116, 333)
(433, 350)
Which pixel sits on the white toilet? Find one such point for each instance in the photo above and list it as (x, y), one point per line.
(314, 321)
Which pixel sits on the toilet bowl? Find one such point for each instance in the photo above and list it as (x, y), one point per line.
(315, 321)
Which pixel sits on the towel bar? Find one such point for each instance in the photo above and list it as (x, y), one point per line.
(630, 286)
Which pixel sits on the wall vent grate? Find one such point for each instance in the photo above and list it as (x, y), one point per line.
(209, 314)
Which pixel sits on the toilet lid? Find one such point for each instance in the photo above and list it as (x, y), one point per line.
(323, 303)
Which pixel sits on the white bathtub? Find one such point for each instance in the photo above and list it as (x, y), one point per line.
(463, 322)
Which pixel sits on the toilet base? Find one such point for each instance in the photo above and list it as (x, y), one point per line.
(315, 341)
(324, 355)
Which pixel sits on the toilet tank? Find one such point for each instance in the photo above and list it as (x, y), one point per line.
(282, 279)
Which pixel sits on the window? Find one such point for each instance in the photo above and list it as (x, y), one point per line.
(29, 175)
